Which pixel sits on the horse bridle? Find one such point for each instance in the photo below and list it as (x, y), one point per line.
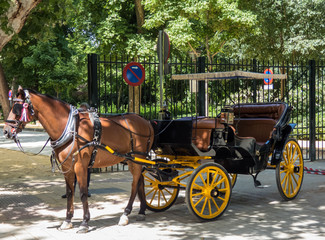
(27, 107)
(18, 124)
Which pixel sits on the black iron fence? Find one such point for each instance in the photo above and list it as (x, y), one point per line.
(303, 89)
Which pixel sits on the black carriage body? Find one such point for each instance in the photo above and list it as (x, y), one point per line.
(258, 130)
(174, 137)
(242, 147)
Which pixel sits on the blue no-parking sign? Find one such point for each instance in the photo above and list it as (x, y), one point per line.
(133, 74)
(268, 81)
(10, 95)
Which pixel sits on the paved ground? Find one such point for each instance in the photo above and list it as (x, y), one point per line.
(31, 206)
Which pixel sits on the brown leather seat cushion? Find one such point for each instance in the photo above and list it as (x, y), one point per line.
(273, 111)
(257, 120)
(259, 128)
(202, 129)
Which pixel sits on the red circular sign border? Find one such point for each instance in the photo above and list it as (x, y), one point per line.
(128, 66)
(271, 79)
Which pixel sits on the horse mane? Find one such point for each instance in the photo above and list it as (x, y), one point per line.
(46, 95)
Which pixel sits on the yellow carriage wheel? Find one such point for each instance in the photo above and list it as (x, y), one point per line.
(159, 196)
(208, 191)
(290, 171)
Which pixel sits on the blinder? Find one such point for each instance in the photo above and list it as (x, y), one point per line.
(17, 108)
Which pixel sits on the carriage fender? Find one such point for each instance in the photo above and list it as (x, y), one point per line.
(279, 145)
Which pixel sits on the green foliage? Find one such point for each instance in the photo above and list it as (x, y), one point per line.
(286, 30)
(4, 6)
(40, 57)
(206, 24)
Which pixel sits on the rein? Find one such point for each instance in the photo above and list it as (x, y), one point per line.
(29, 154)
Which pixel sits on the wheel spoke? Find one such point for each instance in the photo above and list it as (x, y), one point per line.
(209, 204)
(159, 192)
(164, 197)
(290, 184)
(197, 194)
(215, 204)
(198, 201)
(220, 182)
(168, 191)
(197, 187)
(150, 191)
(215, 177)
(204, 204)
(203, 181)
(148, 179)
(153, 196)
(294, 178)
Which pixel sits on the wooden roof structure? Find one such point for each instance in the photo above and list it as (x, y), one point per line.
(226, 75)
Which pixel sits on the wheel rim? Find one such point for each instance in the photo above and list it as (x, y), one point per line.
(158, 197)
(291, 170)
(209, 192)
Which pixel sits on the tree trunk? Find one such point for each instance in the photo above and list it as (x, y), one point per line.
(16, 15)
(4, 89)
(139, 11)
(135, 92)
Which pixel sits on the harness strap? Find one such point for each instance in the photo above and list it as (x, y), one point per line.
(69, 129)
(96, 138)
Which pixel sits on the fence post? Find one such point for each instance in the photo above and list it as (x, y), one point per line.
(312, 110)
(254, 81)
(92, 81)
(201, 92)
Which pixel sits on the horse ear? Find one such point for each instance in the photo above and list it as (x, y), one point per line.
(21, 93)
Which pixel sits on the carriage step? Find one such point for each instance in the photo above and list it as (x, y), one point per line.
(258, 184)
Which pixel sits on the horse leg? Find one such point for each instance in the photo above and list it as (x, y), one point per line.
(136, 170)
(70, 189)
(82, 176)
(142, 197)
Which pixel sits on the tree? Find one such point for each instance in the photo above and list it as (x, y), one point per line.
(111, 26)
(13, 17)
(286, 30)
(200, 25)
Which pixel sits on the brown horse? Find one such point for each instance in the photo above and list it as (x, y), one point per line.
(74, 137)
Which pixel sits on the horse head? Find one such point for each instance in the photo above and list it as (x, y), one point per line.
(20, 114)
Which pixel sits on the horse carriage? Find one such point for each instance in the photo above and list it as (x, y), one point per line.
(203, 155)
(199, 154)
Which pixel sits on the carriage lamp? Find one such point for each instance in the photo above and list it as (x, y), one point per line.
(227, 115)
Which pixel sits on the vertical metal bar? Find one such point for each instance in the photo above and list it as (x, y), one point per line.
(161, 65)
(201, 93)
(254, 81)
(92, 80)
(312, 110)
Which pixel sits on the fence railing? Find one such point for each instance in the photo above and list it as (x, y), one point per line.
(303, 89)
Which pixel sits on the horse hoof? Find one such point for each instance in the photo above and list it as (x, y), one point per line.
(141, 217)
(124, 220)
(66, 225)
(83, 229)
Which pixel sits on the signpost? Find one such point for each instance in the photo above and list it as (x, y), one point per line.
(134, 74)
(163, 50)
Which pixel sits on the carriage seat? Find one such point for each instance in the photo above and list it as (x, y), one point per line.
(257, 120)
(202, 130)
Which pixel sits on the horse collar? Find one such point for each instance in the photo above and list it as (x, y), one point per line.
(69, 130)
